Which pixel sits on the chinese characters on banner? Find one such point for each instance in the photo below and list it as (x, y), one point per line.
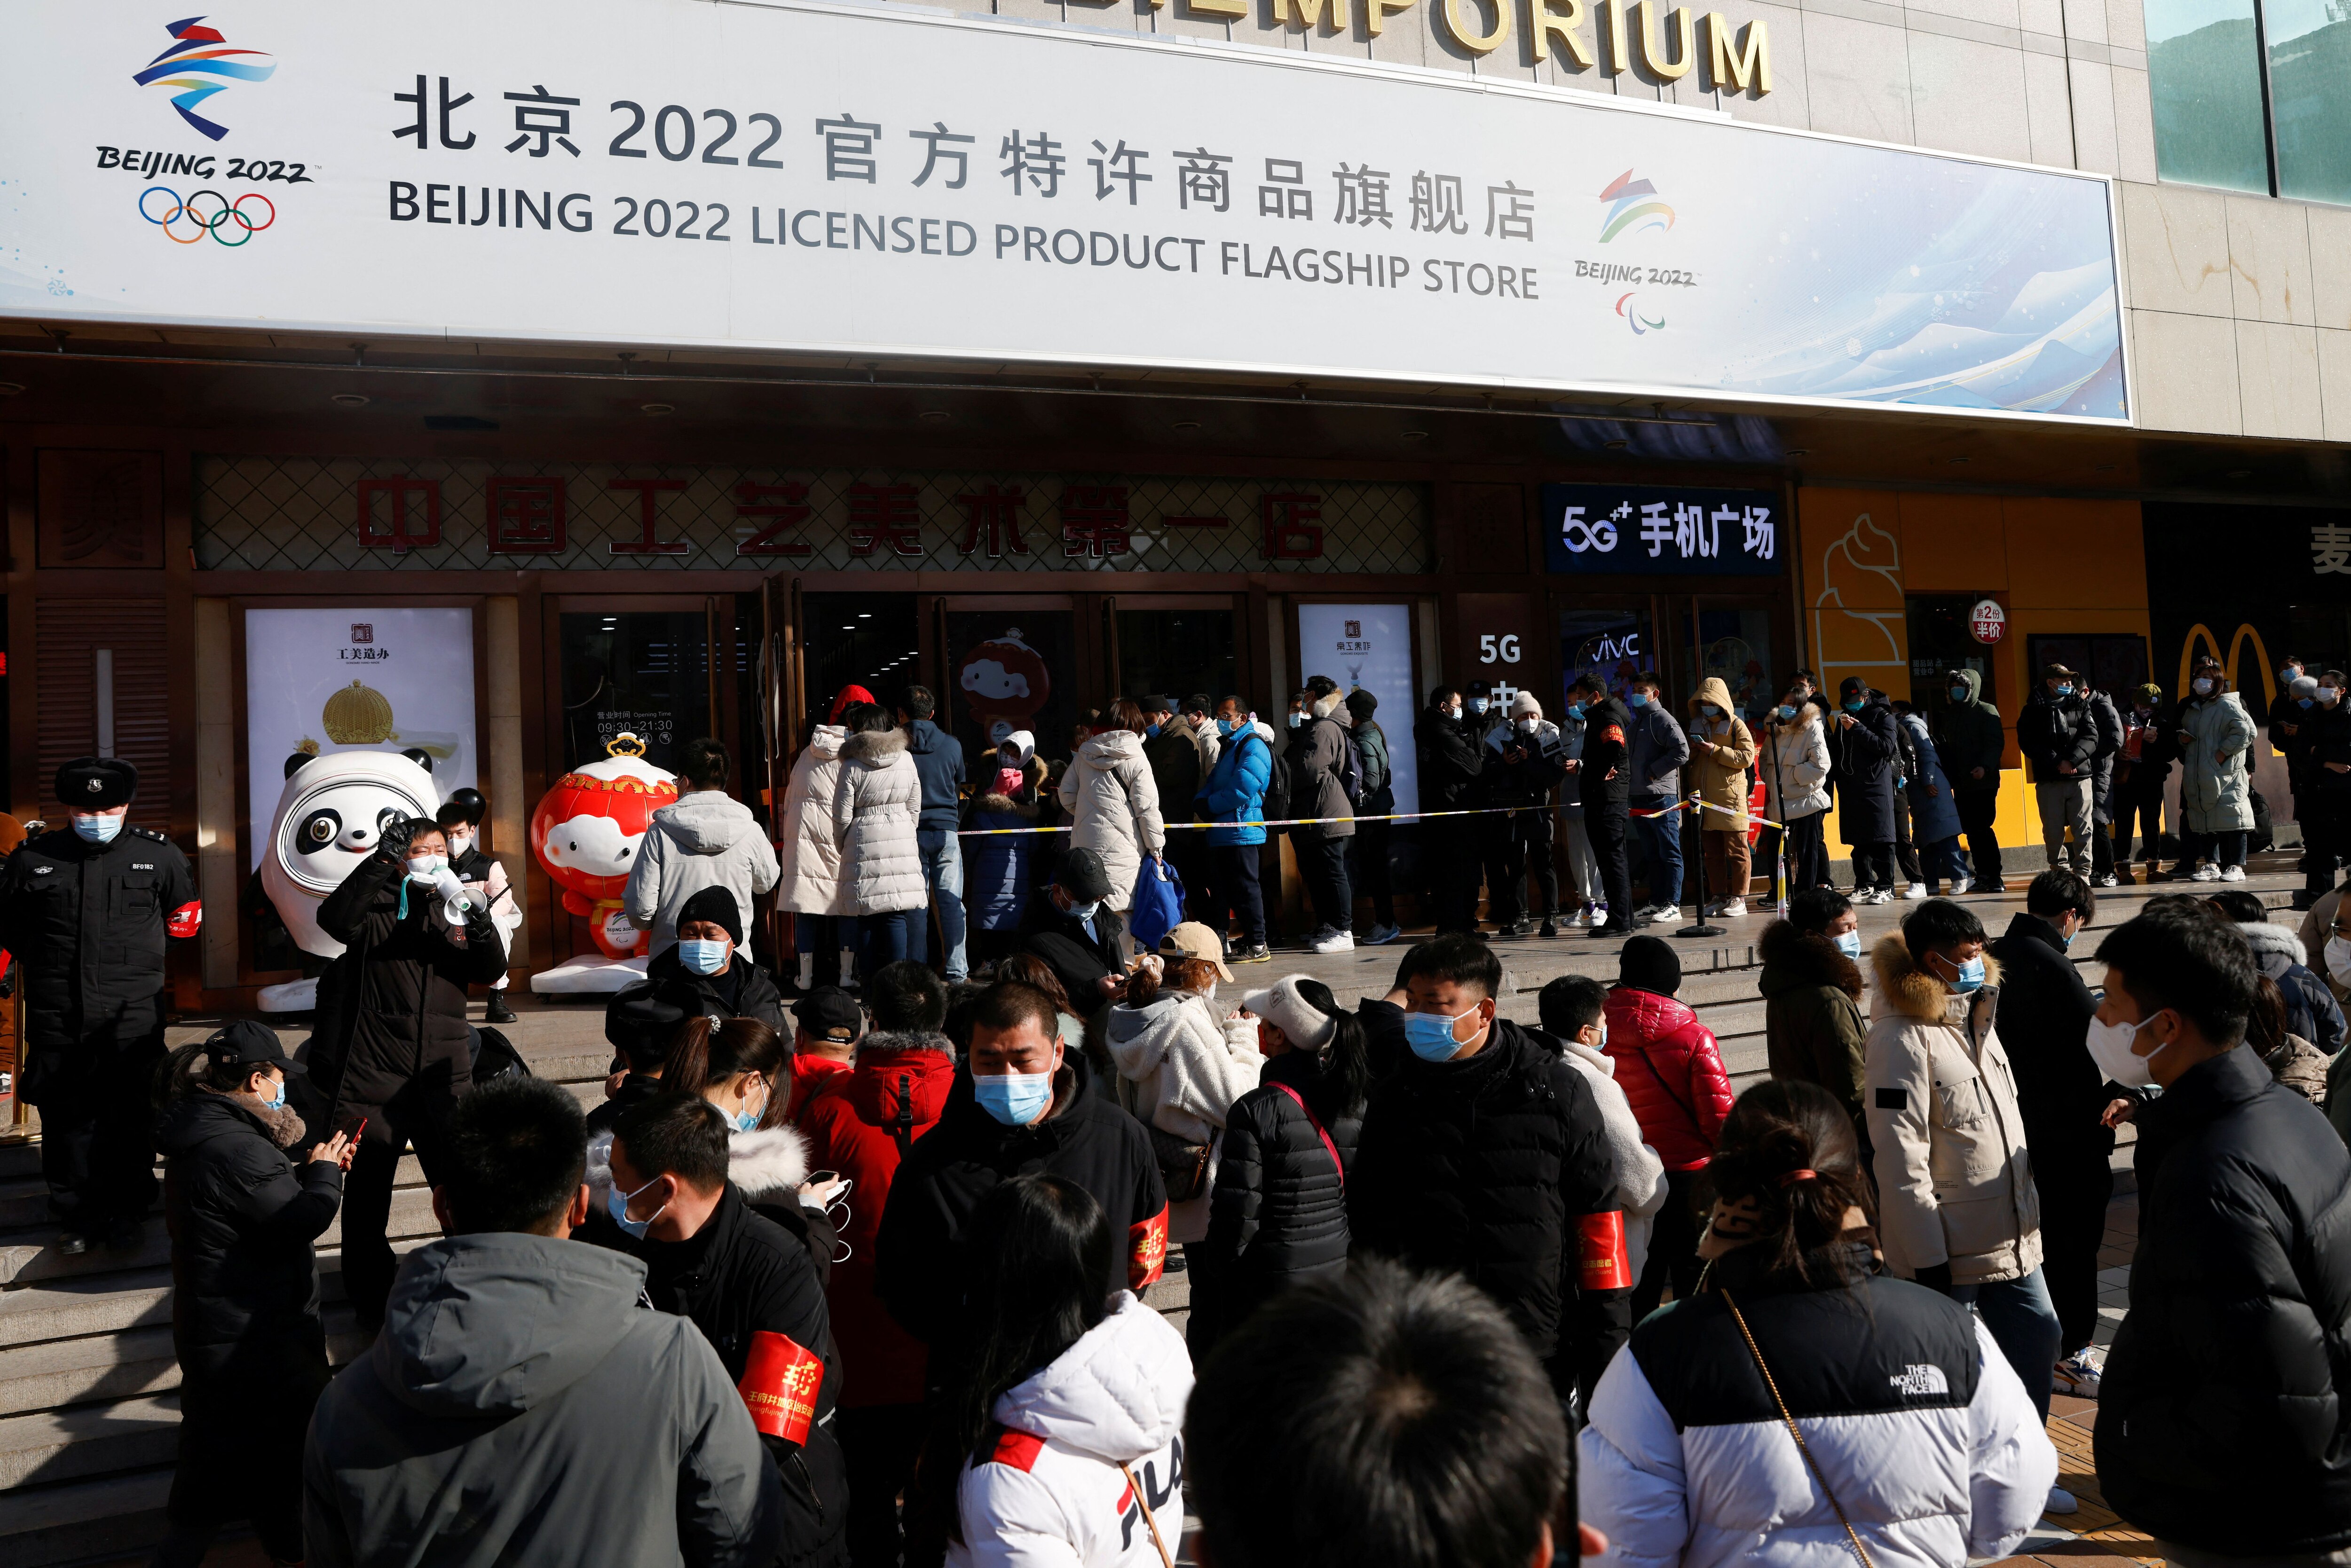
(2330, 549)
(1656, 530)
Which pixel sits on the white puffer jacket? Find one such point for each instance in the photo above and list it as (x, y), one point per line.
(810, 851)
(1179, 1068)
(1052, 1492)
(1640, 1174)
(877, 802)
(1795, 759)
(1113, 807)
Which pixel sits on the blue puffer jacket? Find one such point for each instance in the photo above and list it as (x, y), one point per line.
(997, 867)
(938, 763)
(1933, 811)
(1235, 792)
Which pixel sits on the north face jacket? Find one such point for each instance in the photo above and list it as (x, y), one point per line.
(708, 839)
(1671, 1070)
(1924, 1433)
(1113, 807)
(1813, 1031)
(2221, 1419)
(1482, 1165)
(1051, 1488)
(1954, 1182)
(480, 1428)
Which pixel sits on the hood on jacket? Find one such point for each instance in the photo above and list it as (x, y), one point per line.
(1909, 990)
(874, 747)
(1808, 712)
(1111, 747)
(1973, 680)
(2273, 947)
(1032, 782)
(893, 1070)
(1711, 690)
(196, 1118)
(706, 822)
(1023, 743)
(1793, 959)
(1116, 1394)
(1139, 1039)
(826, 739)
(768, 1163)
(501, 1323)
(1329, 705)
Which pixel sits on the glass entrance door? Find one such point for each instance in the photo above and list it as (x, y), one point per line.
(1016, 663)
(642, 667)
(1175, 647)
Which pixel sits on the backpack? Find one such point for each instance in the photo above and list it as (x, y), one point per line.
(1351, 772)
(1275, 804)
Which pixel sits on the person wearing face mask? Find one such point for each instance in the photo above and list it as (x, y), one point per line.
(706, 970)
(1970, 742)
(391, 1045)
(1525, 761)
(1795, 770)
(1812, 985)
(1368, 870)
(2215, 784)
(1232, 796)
(1181, 1059)
(244, 1219)
(998, 864)
(1064, 928)
(709, 1257)
(1958, 1210)
(808, 849)
(1722, 748)
(2141, 766)
(1863, 746)
(1278, 1212)
(1323, 785)
(1452, 764)
(2059, 740)
(1604, 778)
(460, 817)
(877, 803)
(2306, 1006)
(2224, 1429)
(2043, 1020)
(1023, 1106)
(1659, 749)
(2324, 799)
(2284, 724)
(1485, 1155)
(1574, 1012)
(86, 909)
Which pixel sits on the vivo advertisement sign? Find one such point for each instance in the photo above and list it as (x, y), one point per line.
(786, 176)
(1650, 530)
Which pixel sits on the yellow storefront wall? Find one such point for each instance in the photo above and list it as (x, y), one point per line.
(2069, 567)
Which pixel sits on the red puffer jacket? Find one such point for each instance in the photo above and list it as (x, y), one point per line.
(860, 1123)
(1670, 1069)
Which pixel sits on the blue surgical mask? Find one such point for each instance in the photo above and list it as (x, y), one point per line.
(1013, 1098)
(278, 1103)
(2305, 702)
(1577, 707)
(745, 1122)
(1296, 719)
(2291, 673)
(98, 830)
(1971, 976)
(1849, 944)
(1958, 694)
(704, 957)
(1085, 911)
(1787, 714)
(1150, 732)
(2064, 690)
(1710, 710)
(616, 1204)
(1856, 705)
(1478, 705)
(1638, 699)
(1430, 1035)
(1224, 726)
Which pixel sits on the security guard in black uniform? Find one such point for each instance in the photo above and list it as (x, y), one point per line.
(85, 910)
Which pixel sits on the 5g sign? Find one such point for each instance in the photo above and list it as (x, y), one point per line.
(1503, 649)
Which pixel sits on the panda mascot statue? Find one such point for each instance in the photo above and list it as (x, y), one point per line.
(329, 817)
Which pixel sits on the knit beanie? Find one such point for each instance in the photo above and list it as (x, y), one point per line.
(1648, 964)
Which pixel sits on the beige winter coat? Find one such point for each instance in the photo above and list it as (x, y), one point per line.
(809, 851)
(1954, 1182)
(875, 803)
(1720, 753)
(1794, 765)
(1114, 808)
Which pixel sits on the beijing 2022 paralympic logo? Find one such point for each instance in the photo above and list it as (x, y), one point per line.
(1628, 210)
(229, 216)
(200, 63)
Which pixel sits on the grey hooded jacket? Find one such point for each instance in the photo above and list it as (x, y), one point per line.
(709, 839)
(520, 1406)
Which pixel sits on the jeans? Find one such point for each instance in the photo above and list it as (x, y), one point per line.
(1609, 827)
(886, 938)
(1582, 867)
(1661, 839)
(2024, 1325)
(943, 871)
(1233, 890)
(1977, 807)
(1322, 863)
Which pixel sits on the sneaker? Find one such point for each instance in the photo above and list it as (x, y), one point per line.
(498, 1012)
(2061, 1501)
(1550, 928)
(1381, 936)
(73, 1244)
(1259, 954)
(1608, 929)
(2232, 873)
(1731, 908)
(1335, 942)
(2079, 1372)
(1958, 886)
(2109, 879)
(1877, 895)
(1914, 892)
(2205, 873)
(1522, 926)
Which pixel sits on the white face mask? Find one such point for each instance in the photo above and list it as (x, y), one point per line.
(424, 868)
(2338, 956)
(2110, 1048)
(1526, 726)
(459, 843)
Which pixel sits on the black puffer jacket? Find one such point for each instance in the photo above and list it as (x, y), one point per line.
(2045, 1022)
(1481, 1167)
(242, 1220)
(741, 1274)
(391, 1009)
(86, 923)
(742, 989)
(2053, 730)
(1279, 1213)
(1861, 764)
(2221, 1420)
(1450, 761)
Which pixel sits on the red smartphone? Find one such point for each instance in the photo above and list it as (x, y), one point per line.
(358, 1130)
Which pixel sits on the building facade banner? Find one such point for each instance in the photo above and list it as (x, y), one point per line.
(1370, 646)
(788, 176)
(356, 679)
(1654, 529)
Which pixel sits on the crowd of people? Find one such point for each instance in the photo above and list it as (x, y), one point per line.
(856, 1262)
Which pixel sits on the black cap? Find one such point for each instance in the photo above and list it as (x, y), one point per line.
(1648, 964)
(94, 783)
(1853, 686)
(641, 1022)
(1156, 705)
(247, 1043)
(717, 905)
(1362, 704)
(830, 1013)
(1477, 689)
(1083, 876)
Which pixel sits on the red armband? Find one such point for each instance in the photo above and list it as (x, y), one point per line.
(1148, 1254)
(1613, 735)
(1605, 1264)
(779, 1386)
(186, 920)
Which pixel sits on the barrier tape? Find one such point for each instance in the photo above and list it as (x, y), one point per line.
(1389, 817)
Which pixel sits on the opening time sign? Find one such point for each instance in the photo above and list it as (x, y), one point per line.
(875, 181)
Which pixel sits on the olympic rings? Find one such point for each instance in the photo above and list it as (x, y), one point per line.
(212, 224)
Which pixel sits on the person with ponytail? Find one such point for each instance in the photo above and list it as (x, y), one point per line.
(1063, 1442)
(1179, 1063)
(244, 1221)
(1802, 1406)
(1279, 1213)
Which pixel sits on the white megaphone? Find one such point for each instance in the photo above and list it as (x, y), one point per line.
(456, 898)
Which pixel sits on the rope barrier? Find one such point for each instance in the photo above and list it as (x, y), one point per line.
(1388, 817)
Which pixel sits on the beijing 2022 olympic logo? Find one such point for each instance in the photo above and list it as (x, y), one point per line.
(200, 63)
(187, 221)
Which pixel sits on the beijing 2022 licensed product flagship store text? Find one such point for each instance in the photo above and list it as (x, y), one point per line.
(533, 384)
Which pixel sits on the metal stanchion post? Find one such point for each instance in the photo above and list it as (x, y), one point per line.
(1698, 926)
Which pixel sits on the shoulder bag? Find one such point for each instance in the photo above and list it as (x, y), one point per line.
(1316, 1123)
(1795, 1431)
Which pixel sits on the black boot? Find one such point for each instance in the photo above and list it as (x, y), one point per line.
(498, 1012)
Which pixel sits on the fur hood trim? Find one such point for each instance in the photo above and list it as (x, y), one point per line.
(874, 747)
(768, 1163)
(1909, 990)
(879, 1043)
(1810, 713)
(1328, 707)
(1808, 958)
(1111, 747)
(2272, 942)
